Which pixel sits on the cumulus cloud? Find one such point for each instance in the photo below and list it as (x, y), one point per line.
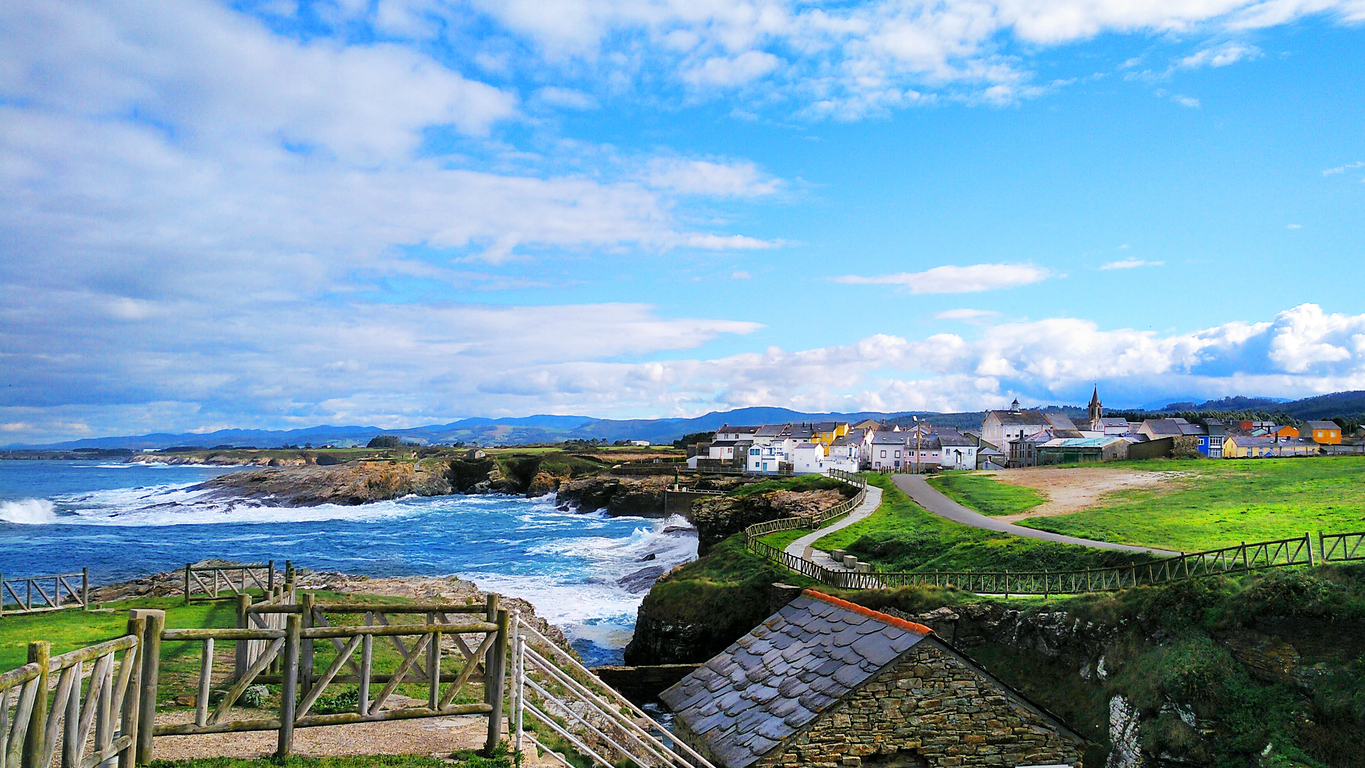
(705, 177)
(1131, 264)
(955, 279)
(408, 365)
(850, 60)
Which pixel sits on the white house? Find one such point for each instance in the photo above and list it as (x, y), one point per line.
(956, 451)
(888, 451)
(769, 457)
(807, 458)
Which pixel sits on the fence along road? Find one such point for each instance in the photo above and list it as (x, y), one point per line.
(1241, 558)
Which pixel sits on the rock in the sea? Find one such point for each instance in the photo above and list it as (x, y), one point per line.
(641, 580)
(352, 483)
(542, 484)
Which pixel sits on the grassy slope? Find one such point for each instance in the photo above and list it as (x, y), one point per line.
(1228, 502)
(903, 536)
(797, 483)
(986, 495)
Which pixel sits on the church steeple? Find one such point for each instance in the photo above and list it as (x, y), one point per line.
(1096, 408)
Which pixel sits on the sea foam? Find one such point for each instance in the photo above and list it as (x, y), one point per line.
(28, 512)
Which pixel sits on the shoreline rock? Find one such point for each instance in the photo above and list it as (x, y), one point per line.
(347, 484)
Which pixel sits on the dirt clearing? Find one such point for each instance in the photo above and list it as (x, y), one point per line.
(1075, 489)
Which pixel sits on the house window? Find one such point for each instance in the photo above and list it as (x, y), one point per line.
(883, 454)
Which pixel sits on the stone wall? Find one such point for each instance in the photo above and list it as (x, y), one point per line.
(931, 709)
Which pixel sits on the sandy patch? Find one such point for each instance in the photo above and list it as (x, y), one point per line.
(1078, 488)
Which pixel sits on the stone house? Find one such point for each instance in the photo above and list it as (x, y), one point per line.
(830, 684)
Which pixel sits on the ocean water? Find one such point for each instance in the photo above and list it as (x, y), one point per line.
(128, 520)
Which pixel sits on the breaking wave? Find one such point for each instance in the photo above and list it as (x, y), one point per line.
(27, 512)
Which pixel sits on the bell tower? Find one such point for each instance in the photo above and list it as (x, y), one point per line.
(1096, 409)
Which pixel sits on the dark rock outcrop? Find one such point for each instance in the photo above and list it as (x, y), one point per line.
(351, 483)
(723, 516)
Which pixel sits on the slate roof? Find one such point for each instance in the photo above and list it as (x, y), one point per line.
(785, 673)
(1019, 418)
(889, 438)
(951, 439)
(1163, 427)
(771, 430)
(1322, 425)
(1109, 421)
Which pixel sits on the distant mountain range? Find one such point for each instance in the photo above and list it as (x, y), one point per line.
(552, 429)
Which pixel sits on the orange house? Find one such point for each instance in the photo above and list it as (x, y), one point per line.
(1285, 431)
(1324, 432)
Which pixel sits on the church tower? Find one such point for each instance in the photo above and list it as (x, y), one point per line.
(1096, 409)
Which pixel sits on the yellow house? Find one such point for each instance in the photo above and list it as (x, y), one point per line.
(1249, 447)
(1324, 432)
(825, 433)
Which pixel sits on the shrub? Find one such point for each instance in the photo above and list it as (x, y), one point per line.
(384, 441)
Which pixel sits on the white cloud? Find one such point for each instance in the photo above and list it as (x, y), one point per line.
(741, 275)
(704, 177)
(1186, 101)
(1131, 264)
(1344, 168)
(728, 71)
(1221, 55)
(1293, 226)
(954, 279)
(974, 316)
(221, 77)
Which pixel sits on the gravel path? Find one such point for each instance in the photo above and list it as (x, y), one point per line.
(928, 497)
(799, 547)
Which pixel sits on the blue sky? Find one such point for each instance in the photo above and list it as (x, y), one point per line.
(280, 214)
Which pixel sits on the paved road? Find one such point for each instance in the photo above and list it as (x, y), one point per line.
(798, 548)
(928, 497)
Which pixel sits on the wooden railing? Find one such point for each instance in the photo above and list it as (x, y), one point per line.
(208, 582)
(285, 658)
(93, 728)
(1340, 547)
(17, 595)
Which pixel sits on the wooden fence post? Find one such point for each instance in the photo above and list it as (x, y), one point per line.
(240, 649)
(155, 622)
(128, 718)
(85, 589)
(289, 689)
(269, 576)
(40, 653)
(306, 649)
(187, 582)
(495, 679)
(2, 594)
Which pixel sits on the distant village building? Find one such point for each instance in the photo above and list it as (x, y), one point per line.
(956, 450)
(1324, 432)
(888, 451)
(825, 682)
(1003, 428)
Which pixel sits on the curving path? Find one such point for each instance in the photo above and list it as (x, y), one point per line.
(931, 499)
(802, 547)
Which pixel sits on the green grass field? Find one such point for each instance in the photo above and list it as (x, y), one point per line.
(1223, 503)
(986, 495)
(903, 536)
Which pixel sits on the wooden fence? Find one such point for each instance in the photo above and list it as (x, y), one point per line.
(16, 595)
(1240, 558)
(209, 582)
(92, 729)
(267, 654)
